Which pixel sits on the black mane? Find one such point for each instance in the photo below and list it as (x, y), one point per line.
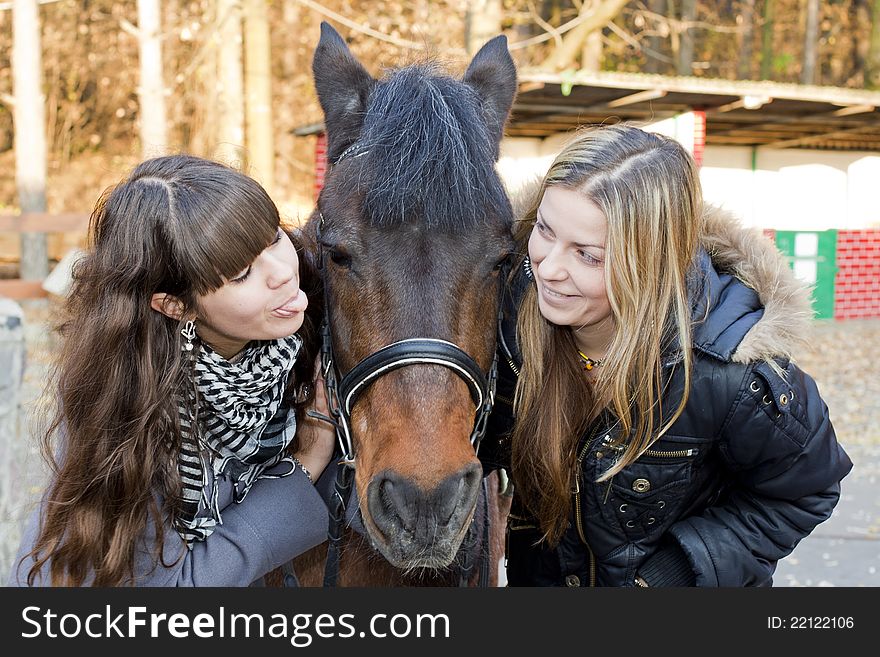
(428, 154)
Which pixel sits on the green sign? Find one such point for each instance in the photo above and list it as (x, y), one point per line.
(813, 256)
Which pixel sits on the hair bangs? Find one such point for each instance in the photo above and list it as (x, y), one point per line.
(228, 231)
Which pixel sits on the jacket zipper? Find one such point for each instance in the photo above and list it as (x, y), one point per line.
(577, 507)
(674, 454)
(671, 454)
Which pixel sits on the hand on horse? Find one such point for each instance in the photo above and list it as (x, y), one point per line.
(316, 437)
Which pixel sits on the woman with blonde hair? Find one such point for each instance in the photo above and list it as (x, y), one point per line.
(656, 429)
(180, 450)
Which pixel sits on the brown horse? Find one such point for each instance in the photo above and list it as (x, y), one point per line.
(412, 229)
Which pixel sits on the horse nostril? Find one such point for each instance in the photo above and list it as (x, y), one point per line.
(448, 498)
(386, 494)
(457, 494)
(393, 503)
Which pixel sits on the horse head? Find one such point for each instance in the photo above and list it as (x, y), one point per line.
(413, 226)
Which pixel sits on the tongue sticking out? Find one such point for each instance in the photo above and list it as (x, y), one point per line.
(296, 305)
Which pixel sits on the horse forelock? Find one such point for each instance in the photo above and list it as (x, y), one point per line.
(429, 155)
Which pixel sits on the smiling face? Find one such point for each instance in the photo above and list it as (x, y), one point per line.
(567, 251)
(264, 302)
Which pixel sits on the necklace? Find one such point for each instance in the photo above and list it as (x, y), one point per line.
(588, 362)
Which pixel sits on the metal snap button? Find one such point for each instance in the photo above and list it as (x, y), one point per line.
(651, 521)
(572, 580)
(623, 508)
(754, 387)
(598, 455)
(766, 399)
(641, 485)
(630, 524)
(783, 399)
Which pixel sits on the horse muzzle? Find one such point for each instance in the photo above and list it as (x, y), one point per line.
(420, 528)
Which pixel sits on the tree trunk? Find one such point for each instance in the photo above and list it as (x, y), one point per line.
(482, 22)
(811, 43)
(258, 86)
(686, 49)
(591, 55)
(872, 68)
(205, 130)
(767, 41)
(655, 41)
(286, 92)
(151, 93)
(230, 85)
(595, 17)
(747, 34)
(859, 15)
(30, 132)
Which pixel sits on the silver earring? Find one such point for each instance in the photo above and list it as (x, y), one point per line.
(189, 334)
(527, 265)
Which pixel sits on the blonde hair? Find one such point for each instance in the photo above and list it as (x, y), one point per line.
(648, 188)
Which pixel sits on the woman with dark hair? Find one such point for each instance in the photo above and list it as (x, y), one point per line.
(184, 455)
(656, 429)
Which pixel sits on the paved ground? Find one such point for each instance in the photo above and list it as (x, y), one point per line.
(844, 551)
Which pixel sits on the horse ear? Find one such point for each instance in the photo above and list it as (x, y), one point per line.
(492, 74)
(343, 89)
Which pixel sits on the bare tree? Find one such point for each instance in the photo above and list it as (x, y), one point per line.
(258, 88)
(655, 39)
(230, 85)
(591, 55)
(592, 17)
(286, 109)
(872, 69)
(483, 21)
(767, 40)
(151, 92)
(811, 41)
(747, 36)
(30, 132)
(686, 49)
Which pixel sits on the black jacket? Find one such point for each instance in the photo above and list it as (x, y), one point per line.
(749, 469)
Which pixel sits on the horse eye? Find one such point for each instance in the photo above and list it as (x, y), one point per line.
(340, 258)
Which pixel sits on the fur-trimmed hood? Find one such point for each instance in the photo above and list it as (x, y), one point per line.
(770, 316)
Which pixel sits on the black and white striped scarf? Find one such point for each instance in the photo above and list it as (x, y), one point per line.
(242, 430)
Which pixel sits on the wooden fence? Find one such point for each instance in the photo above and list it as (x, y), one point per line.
(33, 222)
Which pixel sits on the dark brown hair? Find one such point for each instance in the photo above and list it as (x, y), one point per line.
(179, 225)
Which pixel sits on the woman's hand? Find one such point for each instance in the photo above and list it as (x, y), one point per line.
(317, 438)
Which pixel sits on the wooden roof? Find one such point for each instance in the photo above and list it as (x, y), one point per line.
(781, 115)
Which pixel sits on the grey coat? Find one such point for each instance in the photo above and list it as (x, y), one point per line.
(277, 520)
